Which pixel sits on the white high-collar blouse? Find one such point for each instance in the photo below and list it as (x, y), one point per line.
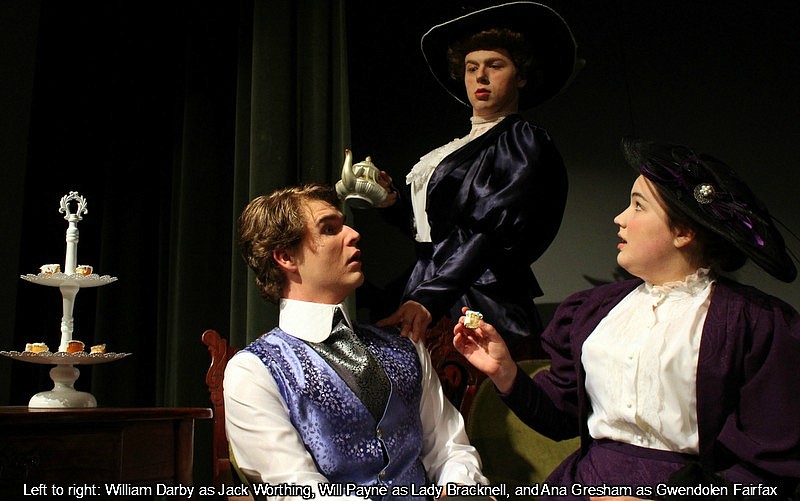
(641, 365)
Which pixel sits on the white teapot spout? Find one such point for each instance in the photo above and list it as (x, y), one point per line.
(348, 176)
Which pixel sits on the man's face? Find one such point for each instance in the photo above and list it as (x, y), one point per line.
(492, 82)
(328, 260)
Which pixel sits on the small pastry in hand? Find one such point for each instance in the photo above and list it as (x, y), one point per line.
(75, 346)
(98, 348)
(473, 319)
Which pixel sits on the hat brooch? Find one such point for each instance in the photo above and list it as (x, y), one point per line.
(704, 193)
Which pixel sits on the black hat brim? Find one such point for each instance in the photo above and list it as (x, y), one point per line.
(545, 30)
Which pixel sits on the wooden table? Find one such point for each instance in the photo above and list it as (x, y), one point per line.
(122, 447)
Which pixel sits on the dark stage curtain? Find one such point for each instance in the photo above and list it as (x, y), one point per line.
(168, 117)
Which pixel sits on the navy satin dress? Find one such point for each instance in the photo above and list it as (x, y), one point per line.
(494, 206)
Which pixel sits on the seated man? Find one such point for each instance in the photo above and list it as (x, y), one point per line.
(313, 403)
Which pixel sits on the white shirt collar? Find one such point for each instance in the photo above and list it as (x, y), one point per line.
(308, 321)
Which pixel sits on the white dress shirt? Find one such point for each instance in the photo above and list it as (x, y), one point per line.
(641, 366)
(421, 173)
(266, 445)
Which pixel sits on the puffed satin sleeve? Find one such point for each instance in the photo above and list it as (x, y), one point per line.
(494, 206)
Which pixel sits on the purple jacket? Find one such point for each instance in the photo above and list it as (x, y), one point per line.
(748, 410)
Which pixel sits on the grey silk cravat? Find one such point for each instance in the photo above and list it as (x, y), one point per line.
(356, 365)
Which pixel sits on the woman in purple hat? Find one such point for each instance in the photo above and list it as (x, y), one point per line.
(680, 382)
(487, 205)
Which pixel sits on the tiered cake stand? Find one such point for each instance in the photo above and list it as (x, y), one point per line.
(64, 374)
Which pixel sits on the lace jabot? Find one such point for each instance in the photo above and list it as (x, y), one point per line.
(422, 170)
(689, 286)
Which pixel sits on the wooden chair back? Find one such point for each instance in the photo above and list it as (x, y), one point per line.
(220, 352)
(460, 380)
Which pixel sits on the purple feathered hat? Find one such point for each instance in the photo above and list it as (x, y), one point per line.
(712, 195)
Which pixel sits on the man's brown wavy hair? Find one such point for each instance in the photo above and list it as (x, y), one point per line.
(277, 222)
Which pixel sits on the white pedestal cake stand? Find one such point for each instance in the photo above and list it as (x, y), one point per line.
(64, 374)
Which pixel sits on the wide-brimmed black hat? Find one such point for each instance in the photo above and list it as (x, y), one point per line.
(544, 29)
(711, 194)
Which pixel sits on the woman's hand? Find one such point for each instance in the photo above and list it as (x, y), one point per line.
(412, 318)
(485, 349)
(385, 180)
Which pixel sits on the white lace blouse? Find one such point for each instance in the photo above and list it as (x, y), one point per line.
(641, 365)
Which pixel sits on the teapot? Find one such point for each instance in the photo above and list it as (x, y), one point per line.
(359, 185)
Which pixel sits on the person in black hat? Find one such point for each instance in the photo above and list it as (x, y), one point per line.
(679, 376)
(487, 205)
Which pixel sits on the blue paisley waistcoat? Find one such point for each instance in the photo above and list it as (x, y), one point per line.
(346, 442)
